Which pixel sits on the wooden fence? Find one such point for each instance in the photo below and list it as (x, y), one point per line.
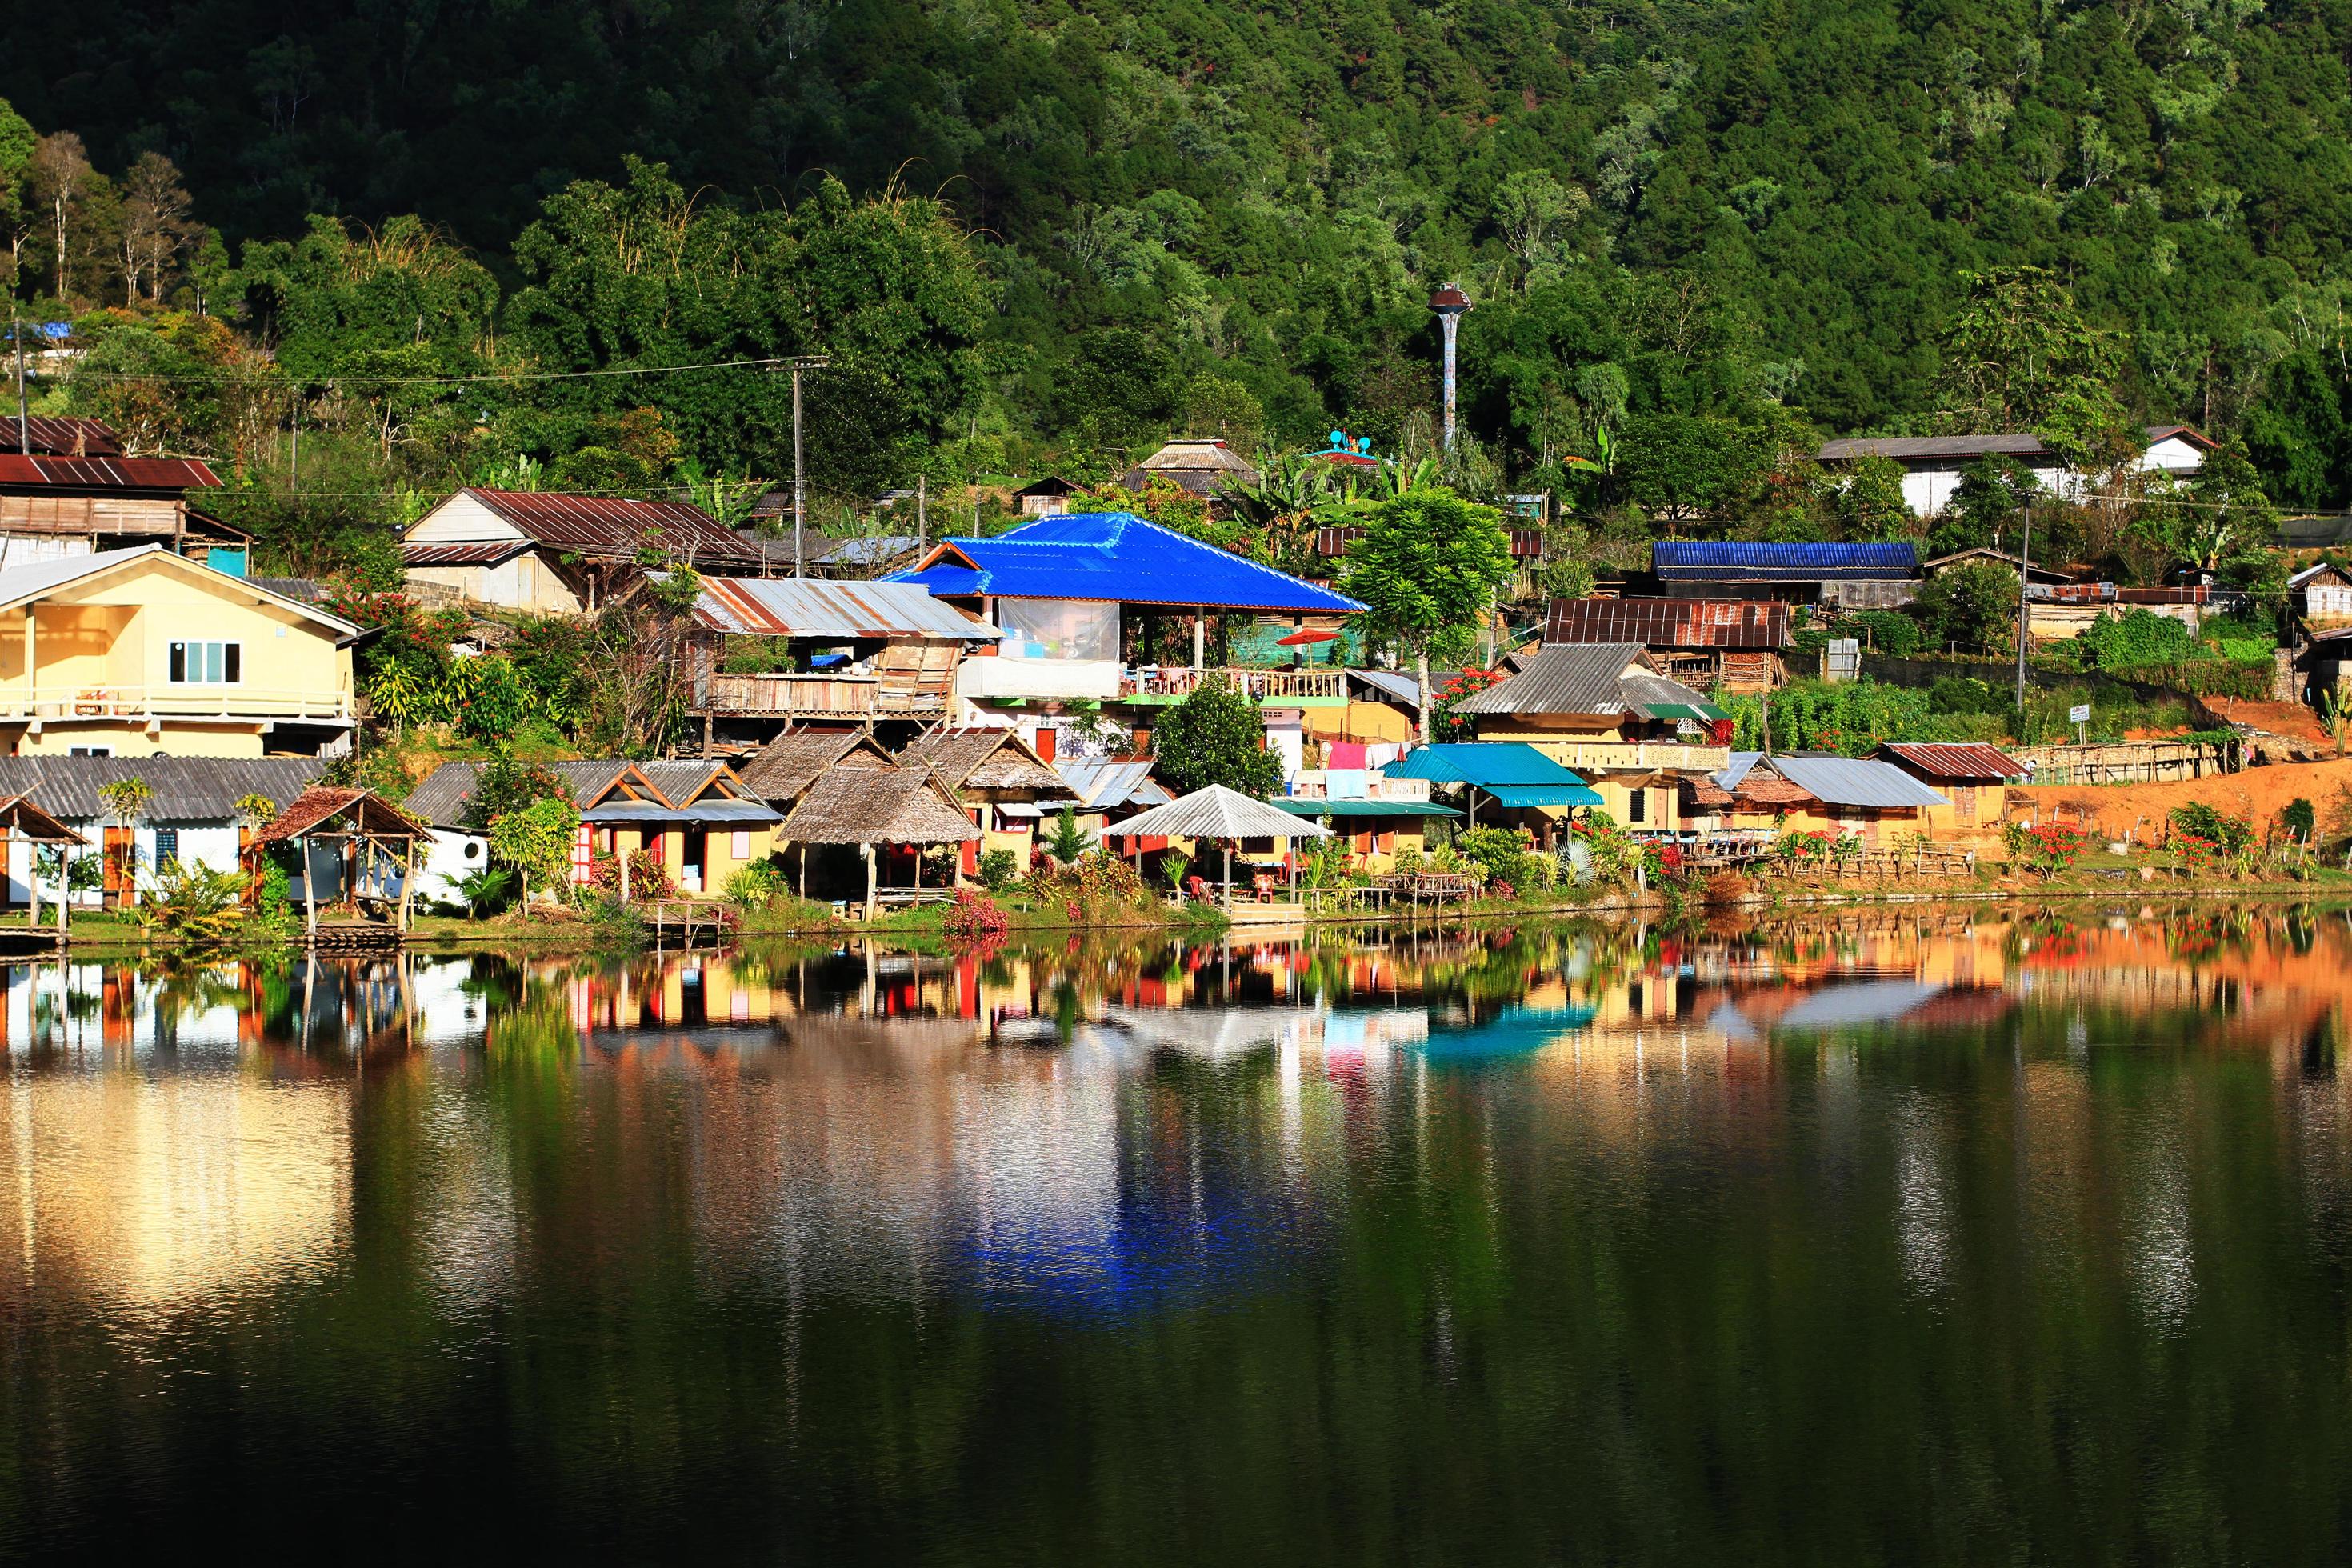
(2128, 761)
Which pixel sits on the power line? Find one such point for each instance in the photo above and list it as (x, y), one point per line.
(337, 379)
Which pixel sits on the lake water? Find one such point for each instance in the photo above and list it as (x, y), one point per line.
(1894, 1237)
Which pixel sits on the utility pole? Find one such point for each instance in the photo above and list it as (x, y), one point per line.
(2024, 572)
(23, 426)
(922, 523)
(800, 487)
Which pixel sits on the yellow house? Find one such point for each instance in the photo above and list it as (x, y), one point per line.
(141, 652)
(1377, 831)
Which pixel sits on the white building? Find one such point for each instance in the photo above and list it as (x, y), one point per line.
(191, 817)
(1932, 465)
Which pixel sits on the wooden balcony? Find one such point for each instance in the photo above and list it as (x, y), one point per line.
(821, 695)
(1312, 688)
(233, 703)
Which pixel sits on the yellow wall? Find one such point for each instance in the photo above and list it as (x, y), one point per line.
(1359, 720)
(131, 739)
(720, 860)
(1663, 803)
(117, 631)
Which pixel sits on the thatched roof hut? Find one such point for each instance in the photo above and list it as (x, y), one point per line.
(782, 771)
(877, 806)
(989, 765)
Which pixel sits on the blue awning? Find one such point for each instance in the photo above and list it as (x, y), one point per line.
(1543, 795)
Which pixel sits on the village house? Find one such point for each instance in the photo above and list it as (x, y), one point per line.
(1734, 645)
(1376, 828)
(870, 817)
(1005, 787)
(1110, 789)
(1603, 710)
(1048, 497)
(2321, 595)
(142, 651)
(69, 490)
(805, 649)
(1088, 602)
(1851, 576)
(1933, 464)
(700, 819)
(194, 814)
(1763, 796)
(1204, 468)
(1974, 777)
(563, 554)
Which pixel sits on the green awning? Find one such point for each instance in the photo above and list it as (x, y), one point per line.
(1700, 713)
(1543, 795)
(1306, 806)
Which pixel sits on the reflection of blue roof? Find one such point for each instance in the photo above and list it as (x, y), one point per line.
(1735, 560)
(1115, 555)
(1512, 1031)
(1485, 763)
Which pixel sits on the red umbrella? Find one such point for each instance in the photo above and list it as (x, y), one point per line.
(1302, 639)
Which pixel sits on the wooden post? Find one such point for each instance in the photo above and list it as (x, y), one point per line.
(621, 850)
(869, 882)
(408, 881)
(32, 885)
(309, 900)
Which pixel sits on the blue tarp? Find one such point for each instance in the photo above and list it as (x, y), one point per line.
(1731, 560)
(1116, 555)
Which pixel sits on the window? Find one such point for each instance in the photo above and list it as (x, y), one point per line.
(1637, 806)
(473, 849)
(1059, 628)
(739, 846)
(167, 849)
(89, 751)
(207, 663)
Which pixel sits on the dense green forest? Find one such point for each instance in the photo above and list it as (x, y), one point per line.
(1033, 234)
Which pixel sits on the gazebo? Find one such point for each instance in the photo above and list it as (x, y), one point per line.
(1222, 814)
(370, 836)
(872, 806)
(20, 818)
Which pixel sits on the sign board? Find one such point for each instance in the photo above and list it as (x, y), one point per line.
(2079, 714)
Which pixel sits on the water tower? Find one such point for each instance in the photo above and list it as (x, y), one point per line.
(1449, 301)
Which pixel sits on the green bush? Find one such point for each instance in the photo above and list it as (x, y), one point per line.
(1850, 716)
(2133, 640)
(1500, 852)
(1890, 632)
(999, 870)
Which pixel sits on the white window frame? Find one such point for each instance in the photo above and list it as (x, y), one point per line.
(189, 650)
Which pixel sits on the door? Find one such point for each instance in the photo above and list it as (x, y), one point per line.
(120, 865)
(692, 856)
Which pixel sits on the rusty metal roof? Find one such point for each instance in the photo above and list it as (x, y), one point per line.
(821, 608)
(487, 554)
(611, 526)
(64, 436)
(106, 473)
(1956, 760)
(1669, 623)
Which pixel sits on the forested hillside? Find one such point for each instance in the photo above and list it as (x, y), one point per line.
(1192, 212)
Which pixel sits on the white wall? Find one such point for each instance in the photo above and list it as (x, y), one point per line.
(1930, 490)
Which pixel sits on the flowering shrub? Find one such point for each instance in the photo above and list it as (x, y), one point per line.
(2054, 847)
(1444, 724)
(1498, 888)
(1797, 845)
(649, 878)
(976, 915)
(1611, 847)
(1099, 875)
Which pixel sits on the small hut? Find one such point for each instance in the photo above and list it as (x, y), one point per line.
(1223, 816)
(22, 821)
(873, 809)
(1004, 784)
(360, 844)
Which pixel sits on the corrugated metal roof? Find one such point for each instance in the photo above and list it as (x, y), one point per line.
(1217, 812)
(106, 473)
(1581, 677)
(1115, 555)
(1855, 781)
(187, 789)
(1106, 786)
(1544, 794)
(1392, 683)
(1745, 561)
(1912, 447)
(610, 526)
(1482, 762)
(444, 796)
(62, 436)
(1956, 760)
(488, 553)
(1669, 623)
(817, 608)
(1304, 805)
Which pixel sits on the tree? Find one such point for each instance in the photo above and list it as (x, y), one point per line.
(2019, 356)
(1681, 465)
(1972, 606)
(1531, 210)
(156, 225)
(1429, 566)
(17, 141)
(1870, 504)
(507, 784)
(1067, 841)
(1986, 508)
(536, 840)
(1214, 737)
(61, 175)
(127, 800)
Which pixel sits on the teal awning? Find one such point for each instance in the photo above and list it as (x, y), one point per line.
(1702, 712)
(1299, 806)
(1543, 795)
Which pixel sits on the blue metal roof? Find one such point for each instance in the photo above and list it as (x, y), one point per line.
(1544, 794)
(1487, 763)
(1724, 560)
(1116, 555)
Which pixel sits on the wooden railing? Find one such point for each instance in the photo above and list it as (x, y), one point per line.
(1263, 684)
(856, 696)
(172, 702)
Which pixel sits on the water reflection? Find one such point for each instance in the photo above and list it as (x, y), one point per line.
(1556, 1223)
